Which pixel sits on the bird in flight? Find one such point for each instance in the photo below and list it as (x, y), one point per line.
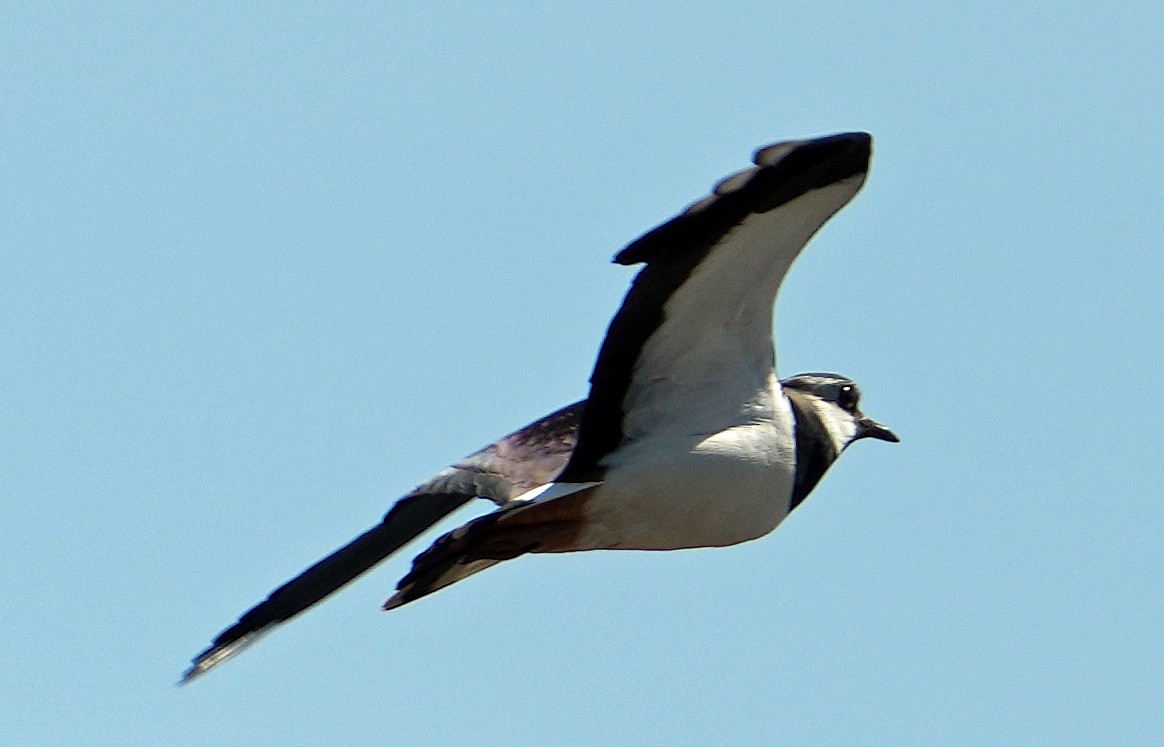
(687, 438)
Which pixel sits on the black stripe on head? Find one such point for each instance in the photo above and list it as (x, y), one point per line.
(673, 250)
(815, 451)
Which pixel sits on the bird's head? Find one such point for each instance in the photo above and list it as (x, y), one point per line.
(836, 402)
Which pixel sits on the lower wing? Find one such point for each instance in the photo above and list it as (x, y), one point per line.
(500, 472)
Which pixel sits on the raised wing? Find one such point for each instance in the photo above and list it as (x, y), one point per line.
(695, 330)
(521, 461)
(691, 343)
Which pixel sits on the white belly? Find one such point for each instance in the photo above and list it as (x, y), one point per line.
(688, 491)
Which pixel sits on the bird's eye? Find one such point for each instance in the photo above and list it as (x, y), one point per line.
(847, 398)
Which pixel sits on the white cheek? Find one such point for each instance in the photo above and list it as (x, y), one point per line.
(841, 426)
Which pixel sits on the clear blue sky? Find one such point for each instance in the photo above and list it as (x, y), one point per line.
(265, 267)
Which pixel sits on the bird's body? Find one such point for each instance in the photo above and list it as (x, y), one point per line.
(689, 489)
(687, 438)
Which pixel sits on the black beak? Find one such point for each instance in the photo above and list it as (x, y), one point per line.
(867, 428)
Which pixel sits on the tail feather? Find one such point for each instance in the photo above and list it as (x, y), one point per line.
(455, 556)
(550, 523)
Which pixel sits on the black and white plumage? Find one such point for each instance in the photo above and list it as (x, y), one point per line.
(687, 438)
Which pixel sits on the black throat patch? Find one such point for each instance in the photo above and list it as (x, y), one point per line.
(815, 452)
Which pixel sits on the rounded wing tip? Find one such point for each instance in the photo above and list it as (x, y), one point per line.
(850, 143)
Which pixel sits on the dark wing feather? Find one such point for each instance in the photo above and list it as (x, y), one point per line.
(500, 472)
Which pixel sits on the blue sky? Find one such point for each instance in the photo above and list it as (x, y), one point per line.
(267, 266)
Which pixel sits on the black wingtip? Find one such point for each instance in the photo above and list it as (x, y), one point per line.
(408, 518)
(782, 172)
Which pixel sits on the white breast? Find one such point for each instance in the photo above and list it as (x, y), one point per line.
(675, 491)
